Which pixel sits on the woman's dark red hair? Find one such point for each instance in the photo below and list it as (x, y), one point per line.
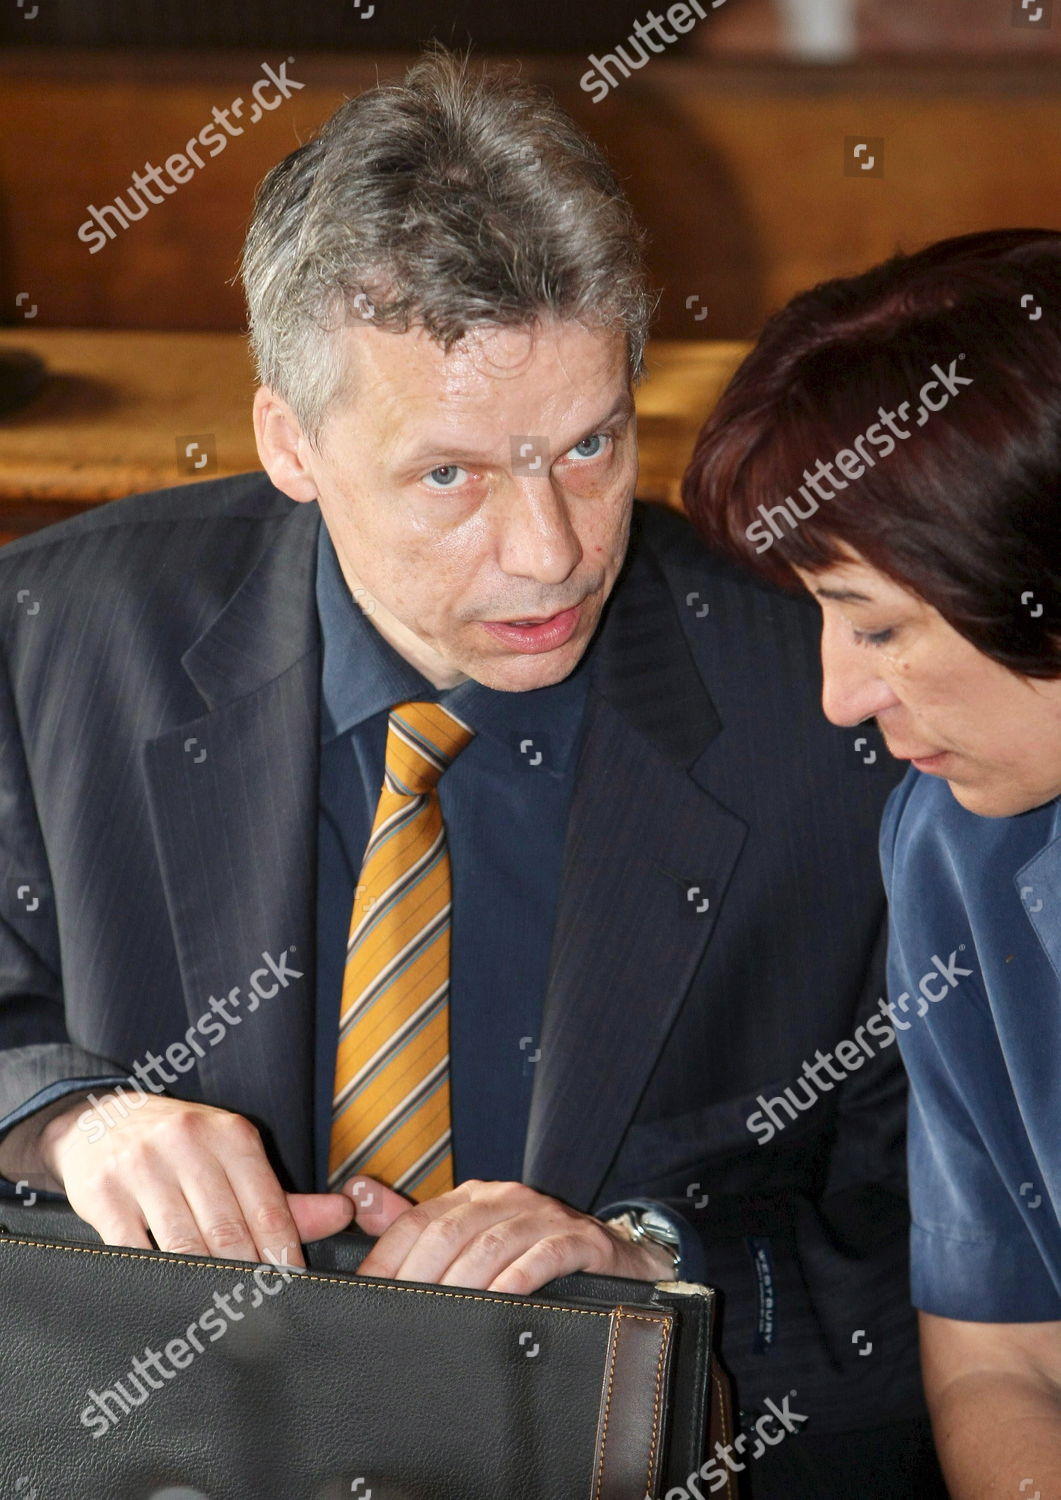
(966, 511)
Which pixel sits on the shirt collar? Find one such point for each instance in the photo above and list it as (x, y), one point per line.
(363, 675)
(1038, 884)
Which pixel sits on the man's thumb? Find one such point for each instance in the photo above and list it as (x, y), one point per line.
(376, 1206)
(318, 1215)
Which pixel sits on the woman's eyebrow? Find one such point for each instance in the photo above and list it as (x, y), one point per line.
(844, 596)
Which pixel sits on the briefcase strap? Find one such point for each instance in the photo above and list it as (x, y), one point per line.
(633, 1404)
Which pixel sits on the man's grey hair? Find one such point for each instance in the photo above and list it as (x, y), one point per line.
(451, 200)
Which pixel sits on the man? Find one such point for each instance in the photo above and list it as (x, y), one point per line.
(618, 888)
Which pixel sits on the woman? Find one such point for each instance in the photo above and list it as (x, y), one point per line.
(893, 442)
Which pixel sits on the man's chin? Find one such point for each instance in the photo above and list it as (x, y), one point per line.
(521, 677)
(510, 671)
(522, 672)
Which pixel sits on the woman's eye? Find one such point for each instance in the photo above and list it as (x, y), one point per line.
(873, 637)
(590, 447)
(445, 477)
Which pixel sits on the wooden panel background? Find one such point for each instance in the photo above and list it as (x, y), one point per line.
(738, 27)
(736, 171)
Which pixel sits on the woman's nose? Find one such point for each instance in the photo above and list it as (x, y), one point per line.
(852, 686)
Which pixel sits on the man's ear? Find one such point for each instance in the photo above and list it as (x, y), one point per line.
(282, 446)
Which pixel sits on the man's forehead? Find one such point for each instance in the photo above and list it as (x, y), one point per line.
(419, 396)
(488, 352)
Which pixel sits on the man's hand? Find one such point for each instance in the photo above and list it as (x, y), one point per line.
(196, 1177)
(494, 1236)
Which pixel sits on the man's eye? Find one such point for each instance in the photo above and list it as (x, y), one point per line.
(873, 637)
(590, 447)
(445, 477)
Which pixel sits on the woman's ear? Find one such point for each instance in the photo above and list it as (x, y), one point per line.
(282, 445)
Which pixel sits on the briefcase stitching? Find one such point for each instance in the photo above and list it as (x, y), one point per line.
(664, 1325)
(353, 1280)
(720, 1390)
(660, 1363)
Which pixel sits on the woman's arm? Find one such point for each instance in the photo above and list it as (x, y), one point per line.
(994, 1391)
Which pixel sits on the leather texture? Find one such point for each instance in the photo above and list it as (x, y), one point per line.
(327, 1384)
(630, 1429)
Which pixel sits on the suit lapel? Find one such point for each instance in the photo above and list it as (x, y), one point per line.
(648, 856)
(234, 809)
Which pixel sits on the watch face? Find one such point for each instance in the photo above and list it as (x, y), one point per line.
(659, 1228)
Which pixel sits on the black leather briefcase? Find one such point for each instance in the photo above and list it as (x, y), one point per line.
(138, 1375)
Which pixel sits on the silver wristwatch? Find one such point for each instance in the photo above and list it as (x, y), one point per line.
(649, 1224)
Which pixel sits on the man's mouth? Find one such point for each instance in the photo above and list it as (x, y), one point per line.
(536, 633)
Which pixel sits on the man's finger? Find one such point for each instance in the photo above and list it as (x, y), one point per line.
(405, 1229)
(318, 1215)
(437, 1230)
(486, 1254)
(376, 1206)
(551, 1256)
(115, 1217)
(218, 1212)
(274, 1233)
(169, 1216)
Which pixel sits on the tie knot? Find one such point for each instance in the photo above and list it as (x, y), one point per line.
(422, 740)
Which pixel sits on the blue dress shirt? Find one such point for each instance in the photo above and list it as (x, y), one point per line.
(505, 802)
(974, 975)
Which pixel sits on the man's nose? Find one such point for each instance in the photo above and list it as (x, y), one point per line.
(538, 538)
(852, 687)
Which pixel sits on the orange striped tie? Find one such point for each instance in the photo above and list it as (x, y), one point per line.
(391, 1110)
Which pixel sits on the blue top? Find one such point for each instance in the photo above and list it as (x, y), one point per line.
(505, 812)
(974, 976)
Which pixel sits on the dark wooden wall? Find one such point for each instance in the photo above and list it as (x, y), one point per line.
(548, 26)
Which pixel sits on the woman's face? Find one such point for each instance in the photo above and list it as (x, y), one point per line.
(995, 738)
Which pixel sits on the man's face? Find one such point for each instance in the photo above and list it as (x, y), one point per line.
(994, 737)
(446, 529)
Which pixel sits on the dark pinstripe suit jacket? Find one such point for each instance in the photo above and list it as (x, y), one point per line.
(720, 914)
